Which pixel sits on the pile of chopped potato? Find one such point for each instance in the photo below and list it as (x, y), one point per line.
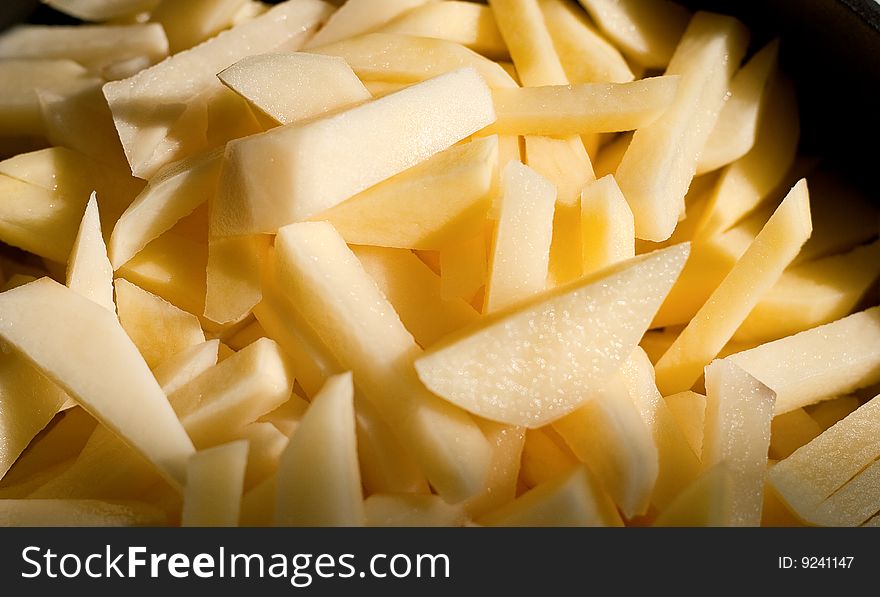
(425, 262)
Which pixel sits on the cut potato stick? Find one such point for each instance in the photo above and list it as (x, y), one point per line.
(78, 513)
(852, 504)
(607, 227)
(232, 285)
(178, 370)
(214, 482)
(522, 26)
(755, 273)
(463, 268)
(360, 16)
(507, 448)
(188, 24)
(562, 110)
(829, 412)
(406, 510)
(790, 431)
(102, 10)
(823, 362)
(661, 160)
(689, 410)
(705, 503)
(545, 456)
(88, 269)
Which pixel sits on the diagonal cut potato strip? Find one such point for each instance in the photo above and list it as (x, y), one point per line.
(214, 482)
(88, 269)
(355, 17)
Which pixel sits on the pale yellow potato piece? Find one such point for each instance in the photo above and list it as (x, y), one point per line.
(813, 294)
(521, 247)
(158, 329)
(233, 276)
(586, 56)
(318, 482)
(610, 436)
(507, 448)
(853, 504)
(79, 513)
(189, 23)
(258, 505)
(823, 362)
(152, 108)
(607, 225)
(44, 309)
(560, 110)
(181, 368)
(88, 269)
(735, 131)
(173, 193)
(471, 25)
(750, 180)
(829, 412)
(559, 343)
(544, 457)
(355, 17)
(345, 308)
(463, 267)
(265, 445)
(661, 160)
(790, 431)
(414, 292)
(214, 482)
(286, 417)
(817, 470)
(412, 510)
(524, 31)
(647, 31)
(611, 154)
(290, 173)
(437, 202)
(399, 58)
(571, 499)
(312, 84)
(737, 433)
(689, 410)
(251, 332)
(705, 503)
(102, 10)
(757, 270)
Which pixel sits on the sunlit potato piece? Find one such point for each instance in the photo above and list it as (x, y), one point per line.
(647, 31)
(463, 266)
(88, 269)
(181, 368)
(412, 510)
(344, 307)
(214, 481)
(560, 110)
(289, 174)
(440, 201)
(661, 160)
(355, 17)
(44, 309)
(737, 125)
(233, 276)
(465, 23)
(102, 10)
(755, 273)
(704, 503)
(408, 59)
(154, 109)
(414, 292)
(544, 456)
(528, 365)
(790, 431)
(586, 56)
(573, 499)
(521, 247)
(823, 362)
(188, 24)
(331, 84)
(689, 410)
(79, 513)
(607, 225)
(814, 472)
(739, 409)
(813, 294)
(319, 482)
(173, 193)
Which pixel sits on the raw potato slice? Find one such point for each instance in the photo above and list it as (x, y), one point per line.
(607, 226)
(360, 16)
(528, 366)
(173, 193)
(331, 290)
(189, 23)
(158, 329)
(814, 472)
(102, 10)
(396, 58)
(214, 483)
(233, 276)
(647, 31)
(707, 502)
(88, 269)
(266, 443)
(318, 482)
(823, 362)
(437, 202)
(289, 174)
(754, 274)
(521, 248)
(286, 417)
(507, 447)
(414, 292)
(79, 513)
(738, 413)
(737, 125)
(852, 504)
(463, 266)
(151, 108)
(178, 370)
(545, 456)
(573, 499)
(662, 158)
(524, 31)
(465, 23)
(45, 309)
(586, 56)
(689, 410)
(790, 431)
(560, 110)
(312, 84)
(411, 510)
